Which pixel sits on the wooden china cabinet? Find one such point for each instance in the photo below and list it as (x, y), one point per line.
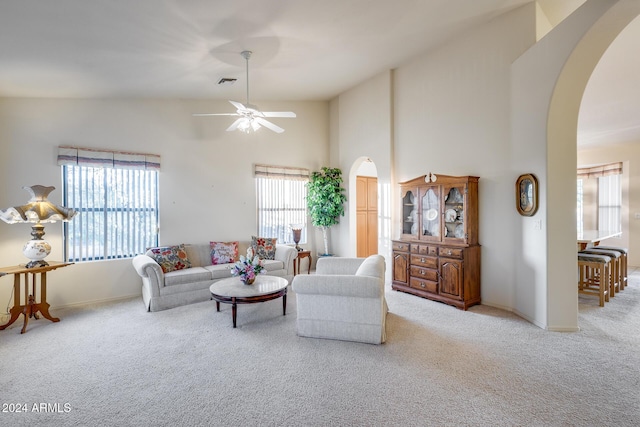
(438, 254)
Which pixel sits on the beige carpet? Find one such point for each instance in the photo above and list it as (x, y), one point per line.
(117, 365)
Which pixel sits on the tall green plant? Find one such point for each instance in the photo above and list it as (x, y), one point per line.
(325, 200)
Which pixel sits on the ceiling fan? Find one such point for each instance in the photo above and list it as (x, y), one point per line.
(250, 117)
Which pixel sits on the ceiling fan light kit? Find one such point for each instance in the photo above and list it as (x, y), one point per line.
(250, 117)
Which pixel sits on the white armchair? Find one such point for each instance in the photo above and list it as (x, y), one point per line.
(344, 300)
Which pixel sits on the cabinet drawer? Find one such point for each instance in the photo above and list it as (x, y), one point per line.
(424, 261)
(424, 250)
(450, 252)
(425, 285)
(400, 246)
(424, 273)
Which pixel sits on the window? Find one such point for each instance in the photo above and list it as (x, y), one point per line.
(603, 201)
(117, 204)
(580, 209)
(609, 203)
(281, 201)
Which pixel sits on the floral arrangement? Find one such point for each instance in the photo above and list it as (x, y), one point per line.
(247, 268)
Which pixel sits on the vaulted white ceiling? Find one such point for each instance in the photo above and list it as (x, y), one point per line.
(302, 49)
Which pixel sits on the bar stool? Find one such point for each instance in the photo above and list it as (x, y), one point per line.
(615, 268)
(623, 263)
(594, 277)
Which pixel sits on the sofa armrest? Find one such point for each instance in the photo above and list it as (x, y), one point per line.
(286, 254)
(338, 285)
(150, 272)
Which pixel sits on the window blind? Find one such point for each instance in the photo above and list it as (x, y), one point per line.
(116, 194)
(107, 159)
(281, 194)
(281, 172)
(600, 171)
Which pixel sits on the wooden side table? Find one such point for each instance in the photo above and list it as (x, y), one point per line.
(30, 308)
(296, 261)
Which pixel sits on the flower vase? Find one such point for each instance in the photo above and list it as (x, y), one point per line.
(297, 232)
(249, 281)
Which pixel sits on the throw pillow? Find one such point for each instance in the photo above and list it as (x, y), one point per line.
(264, 247)
(223, 252)
(171, 258)
(372, 266)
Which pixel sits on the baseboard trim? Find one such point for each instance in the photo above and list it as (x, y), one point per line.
(4, 317)
(100, 301)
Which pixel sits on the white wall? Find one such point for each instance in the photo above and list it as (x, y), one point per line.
(452, 118)
(451, 115)
(363, 129)
(206, 184)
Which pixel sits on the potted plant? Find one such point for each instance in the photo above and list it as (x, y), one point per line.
(325, 200)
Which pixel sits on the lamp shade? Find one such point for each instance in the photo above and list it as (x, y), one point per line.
(37, 209)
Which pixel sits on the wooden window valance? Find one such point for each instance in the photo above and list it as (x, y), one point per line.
(281, 172)
(107, 159)
(600, 171)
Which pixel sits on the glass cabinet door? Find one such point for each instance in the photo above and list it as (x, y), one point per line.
(431, 222)
(410, 213)
(454, 221)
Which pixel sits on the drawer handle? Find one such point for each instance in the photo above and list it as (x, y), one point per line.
(422, 284)
(421, 259)
(449, 253)
(422, 272)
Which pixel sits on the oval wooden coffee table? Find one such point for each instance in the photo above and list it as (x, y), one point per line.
(233, 291)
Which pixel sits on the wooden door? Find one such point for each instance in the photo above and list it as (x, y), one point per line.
(451, 278)
(366, 215)
(401, 268)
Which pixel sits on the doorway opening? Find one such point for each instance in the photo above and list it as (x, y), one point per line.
(366, 209)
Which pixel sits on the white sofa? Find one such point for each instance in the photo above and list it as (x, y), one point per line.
(344, 300)
(161, 291)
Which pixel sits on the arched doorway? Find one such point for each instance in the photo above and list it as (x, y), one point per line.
(547, 85)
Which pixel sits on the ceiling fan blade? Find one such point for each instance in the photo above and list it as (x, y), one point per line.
(216, 114)
(268, 125)
(238, 105)
(279, 114)
(235, 124)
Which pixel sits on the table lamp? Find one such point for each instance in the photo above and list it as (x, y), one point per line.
(37, 210)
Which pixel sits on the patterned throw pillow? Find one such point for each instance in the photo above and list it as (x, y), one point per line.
(223, 252)
(171, 258)
(264, 247)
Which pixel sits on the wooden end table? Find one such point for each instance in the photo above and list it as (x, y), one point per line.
(233, 291)
(296, 261)
(30, 308)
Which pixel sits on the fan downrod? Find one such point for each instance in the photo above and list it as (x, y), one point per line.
(246, 54)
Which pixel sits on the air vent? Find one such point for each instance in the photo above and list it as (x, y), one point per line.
(226, 81)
